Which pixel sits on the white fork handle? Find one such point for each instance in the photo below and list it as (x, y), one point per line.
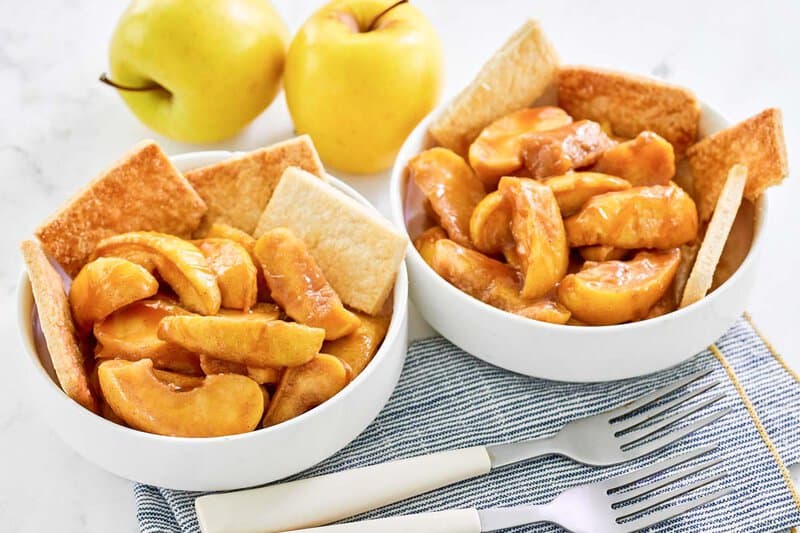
(325, 499)
(456, 521)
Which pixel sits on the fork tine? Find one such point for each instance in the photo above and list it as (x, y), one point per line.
(660, 483)
(671, 512)
(643, 473)
(639, 434)
(634, 421)
(669, 438)
(656, 394)
(661, 499)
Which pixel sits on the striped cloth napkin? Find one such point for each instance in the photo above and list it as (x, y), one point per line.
(448, 399)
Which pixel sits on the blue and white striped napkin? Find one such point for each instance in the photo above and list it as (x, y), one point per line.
(448, 399)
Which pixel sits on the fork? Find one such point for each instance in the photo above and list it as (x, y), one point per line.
(616, 436)
(595, 507)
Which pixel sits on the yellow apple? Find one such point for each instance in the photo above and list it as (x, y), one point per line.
(358, 79)
(198, 70)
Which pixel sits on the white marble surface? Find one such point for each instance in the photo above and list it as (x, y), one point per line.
(59, 126)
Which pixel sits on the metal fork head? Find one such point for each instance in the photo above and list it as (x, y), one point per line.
(642, 426)
(644, 497)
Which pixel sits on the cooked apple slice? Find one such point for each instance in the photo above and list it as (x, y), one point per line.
(496, 151)
(224, 404)
(538, 234)
(546, 310)
(180, 263)
(490, 224)
(358, 348)
(619, 291)
(235, 271)
(178, 381)
(660, 216)
(424, 243)
(451, 187)
(212, 365)
(555, 152)
(298, 285)
(492, 282)
(105, 285)
(602, 253)
(249, 342)
(304, 387)
(648, 159)
(264, 375)
(248, 242)
(574, 189)
(132, 333)
(481, 277)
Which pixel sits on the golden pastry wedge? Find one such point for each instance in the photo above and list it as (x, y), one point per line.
(647, 159)
(132, 333)
(105, 285)
(222, 405)
(538, 233)
(304, 387)
(180, 263)
(298, 285)
(451, 186)
(235, 271)
(574, 189)
(250, 342)
(614, 292)
(497, 150)
(660, 216)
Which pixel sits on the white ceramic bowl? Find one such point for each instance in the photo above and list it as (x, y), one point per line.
(219, 463)
(571, 353)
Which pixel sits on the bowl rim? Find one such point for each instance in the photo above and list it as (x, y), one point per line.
(25, 328)
(397, 200)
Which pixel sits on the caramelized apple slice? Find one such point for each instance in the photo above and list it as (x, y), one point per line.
(266, 375)
(178, 381)
(497, 150)
(132, 333)
(212, 365)
(481, 277)
(476, 274)
(647, 159)
(358, 348)
(249, 342)
(554, 152)
(105, 285)
(235, 271)
(546, 310)
(180, 263)
(538, 233)
(602, 253)
(452, 188)
(490, 224)
(224, 404)
(492, 282)
(297, 283)
(619, 291)
(574, 189)
(248, 242)
(424, 243)
(304, 387)
(661, 216)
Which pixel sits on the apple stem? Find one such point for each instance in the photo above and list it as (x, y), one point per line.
(108, 81)
(382, 13)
